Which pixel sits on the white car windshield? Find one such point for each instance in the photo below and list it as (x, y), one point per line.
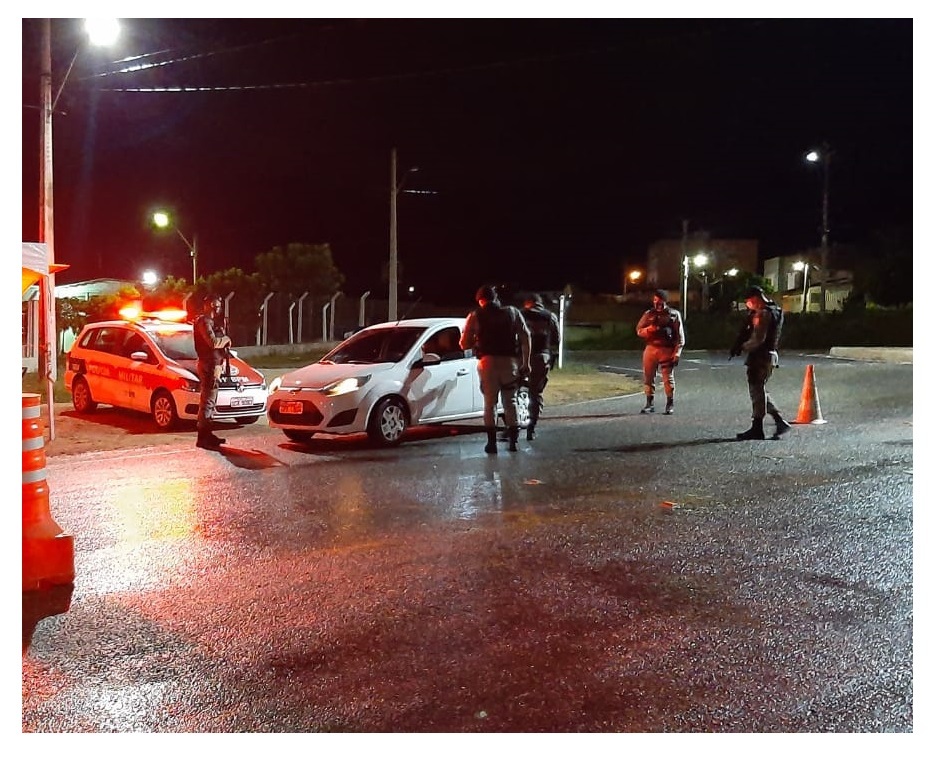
(376, 346)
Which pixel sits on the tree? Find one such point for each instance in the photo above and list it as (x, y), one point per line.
(886, 275)
(299, 268)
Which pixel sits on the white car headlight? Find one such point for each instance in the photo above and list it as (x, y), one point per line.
(344, 386)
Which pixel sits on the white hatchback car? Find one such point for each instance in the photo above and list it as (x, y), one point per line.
(149, 365)
(382, 380)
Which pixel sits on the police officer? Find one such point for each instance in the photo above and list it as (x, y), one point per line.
(211, 344)
(759, 337)
(545, 341)
(502, 343)
(663, 331)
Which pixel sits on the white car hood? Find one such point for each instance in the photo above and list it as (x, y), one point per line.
(319, 375)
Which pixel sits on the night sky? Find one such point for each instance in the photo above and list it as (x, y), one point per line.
(558, 150)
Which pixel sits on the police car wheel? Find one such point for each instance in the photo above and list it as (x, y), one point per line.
(388, 422)
(81, 396)
(164, 410)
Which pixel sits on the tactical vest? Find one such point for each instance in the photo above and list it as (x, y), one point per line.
(774, 332)
(205, 350)
(496, 331)
(665, 332)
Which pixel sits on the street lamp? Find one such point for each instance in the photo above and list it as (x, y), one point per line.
(823, 156)
(633, 276)
(163, 220)
(805, 268)
(101, 32)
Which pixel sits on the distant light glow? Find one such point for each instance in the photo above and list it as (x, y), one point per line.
(149, 277)
(161, 219)
(701, 260)
(813, 157)
(102, 31)
(798, 265)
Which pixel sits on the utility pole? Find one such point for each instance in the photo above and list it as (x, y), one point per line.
(825, 228)
(48, 338)
(392, 263)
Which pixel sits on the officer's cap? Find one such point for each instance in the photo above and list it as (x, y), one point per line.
(663, 294)
(535, 298)
(211, 299)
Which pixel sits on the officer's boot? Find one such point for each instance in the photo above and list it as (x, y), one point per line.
(781, 425)
(206, 440)
(754, 432)
(649, 404)
(491, 447)
(530, 434)
(669, 406)
(513, 439)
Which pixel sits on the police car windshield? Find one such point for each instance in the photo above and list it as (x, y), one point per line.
(376, 346)
(177, 344)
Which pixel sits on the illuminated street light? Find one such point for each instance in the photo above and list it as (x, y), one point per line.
(632, 276)
(46, 215)
(823, 157)
(149, 278)
(700, 261)
(163, 220)
(805, 268)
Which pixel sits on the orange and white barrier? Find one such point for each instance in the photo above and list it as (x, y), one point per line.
(48, 553)
(809, 411)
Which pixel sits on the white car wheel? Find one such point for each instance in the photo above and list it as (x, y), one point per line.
(388, 422)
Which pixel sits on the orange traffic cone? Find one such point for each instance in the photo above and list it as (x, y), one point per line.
(48, 553)
(809, 411)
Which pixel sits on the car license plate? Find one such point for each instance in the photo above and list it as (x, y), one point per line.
(292, 407)
(242, 401)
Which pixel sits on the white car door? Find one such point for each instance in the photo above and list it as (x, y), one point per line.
(446, 389)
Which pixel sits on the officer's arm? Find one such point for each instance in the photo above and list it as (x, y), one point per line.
(467, 339)
(642, 328)
(524, 337)
(554, 330)
(679, 331)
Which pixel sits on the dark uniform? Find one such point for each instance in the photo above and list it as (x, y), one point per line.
(663, 331)
(545, 342)
(759, 337)
(502, 344)
(211, 344)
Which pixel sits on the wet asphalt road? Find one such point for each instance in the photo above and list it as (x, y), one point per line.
(621, 573)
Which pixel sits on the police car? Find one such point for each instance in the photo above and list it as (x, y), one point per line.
(382, 380)
(148, 364)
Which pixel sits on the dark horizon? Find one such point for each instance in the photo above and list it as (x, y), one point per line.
(558, 150)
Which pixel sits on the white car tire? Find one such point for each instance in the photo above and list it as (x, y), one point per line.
(388, 422)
